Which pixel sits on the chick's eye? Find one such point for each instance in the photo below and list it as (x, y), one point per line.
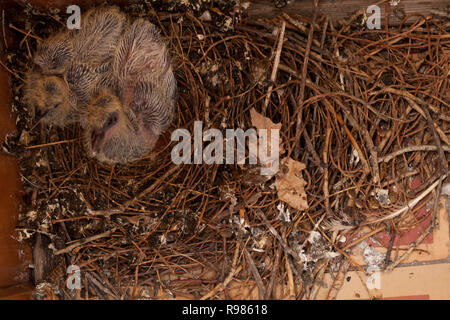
(111, 121)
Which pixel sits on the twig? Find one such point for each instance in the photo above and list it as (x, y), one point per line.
(394, 154)
(338, 281)
(52, 143)
(275, 233)
(10, 71)
(318, 280)
(364, 237)
(291, 283)
(410, 204)
(303, 78)
(276, 62)
(84, 241)
(444, 164)
(25, 33)
(387, 258)
(227, 280)
(424, 234)
(100, 286)
(274, 275)
(410, 97)
(309, 145)
(256, 275)
(326, 192)
(123, 207)
(3, 29)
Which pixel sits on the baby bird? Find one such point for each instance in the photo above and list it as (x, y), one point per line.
(69, 64)
(123, 122)
(52, 99)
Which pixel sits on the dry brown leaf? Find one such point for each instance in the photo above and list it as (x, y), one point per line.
(261, 122)
(265, 156)
(134, 219)
(291, 185)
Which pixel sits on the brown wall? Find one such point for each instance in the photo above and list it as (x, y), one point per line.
(12, 263)
(14, 258)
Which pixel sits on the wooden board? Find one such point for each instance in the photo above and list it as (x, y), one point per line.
(338, 10)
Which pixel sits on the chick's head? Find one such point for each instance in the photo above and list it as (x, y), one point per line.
(110, 134)
(54, 53)
(49, 98)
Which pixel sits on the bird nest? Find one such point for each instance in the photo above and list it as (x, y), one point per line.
(361, 113)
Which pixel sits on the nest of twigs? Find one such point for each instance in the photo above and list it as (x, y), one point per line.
(363, 110)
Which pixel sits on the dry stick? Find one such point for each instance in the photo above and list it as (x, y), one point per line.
(274, 275)
(441, 133)
(25, 33)
(316, 104)
(436, 203)
(273, 76)
(290, 279)
(349, 258)
(84, 241)
(400, 177)
(10, 71)
(256, 275)
(303, 77)
(302, 28)
(426, 114)
(309, 145)
(394, 154)
(373, 159)
(64, 181)
(52, 143)
(3, 29)
(102, 280)
(150, 188)
(318, 280)
(424, 234)
(275, 233)
(326, 192)
(288, 251)
(338, 281)
(95, 292)
(364, 237)
(316, 225)
(353, 141)
(291, 263)
(389, 250)
(338, 92)
(227, 280)
(410, 204)
(409, 96)
(123, 207)
(444, 168)
(352, 121)
(100, 286)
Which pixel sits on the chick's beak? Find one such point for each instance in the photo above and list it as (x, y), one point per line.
(97, 136)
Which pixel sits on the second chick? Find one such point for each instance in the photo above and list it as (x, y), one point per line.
(69, 64)
(123, 122)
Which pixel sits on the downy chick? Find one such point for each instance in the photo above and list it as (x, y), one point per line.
(51, 99)
(123, 123)
(69, 64)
